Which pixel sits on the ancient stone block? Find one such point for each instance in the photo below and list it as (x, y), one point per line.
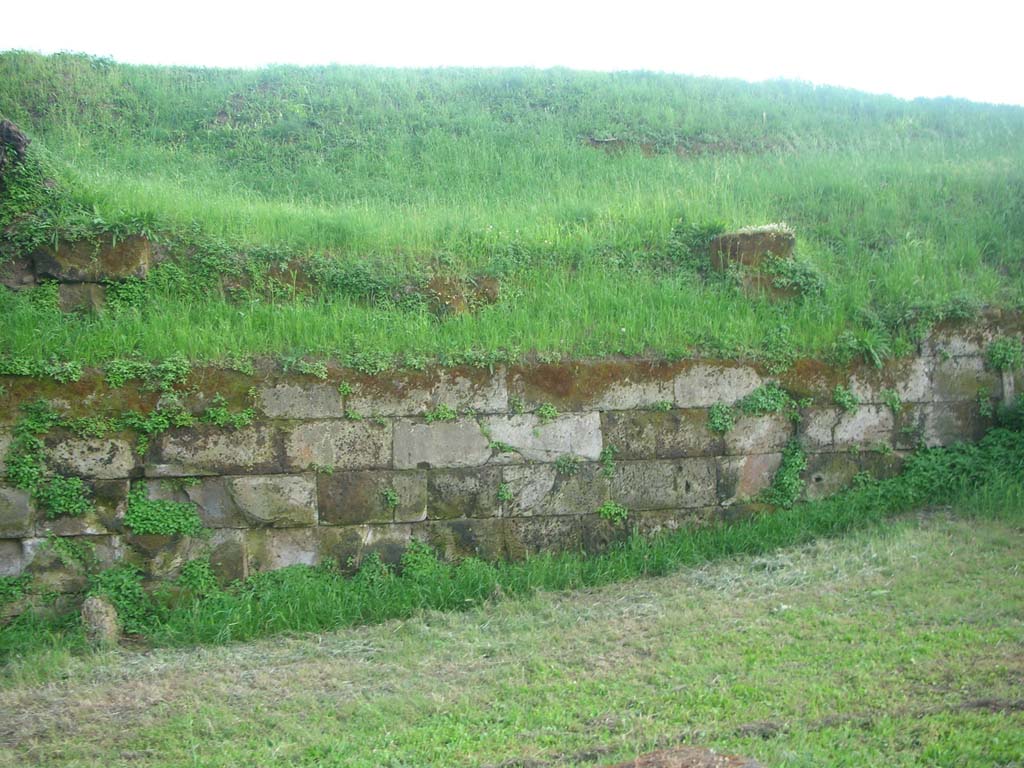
(538, 490)
(660, 434)
(866, 426)
(1009, 388)
(228, 558)
(18, 273)
(81, 297)
(214, 502)
(577, 434)
(161, 557)
(948, 423)
(455, 493)
(280, 501)
(10, 557)
(751, 246)
(103, 458)
(209, 450)
(293, 401)
(597, 534)
(50, 572)
(759, 434)
(109, 499)
(958, 342)
(268, 549)
(455, 539)
(816, 427)
(342, 545)
(387, 541)
(372, 496)
(339, 444)
(701, 385)
(828, 473)
(547, 534)
(882, 465)
(593, 385)
(642, 485)
(17, 517)
(961, 378)
(99, 620)
(909, 378)
(743, 477)
(92, 262)
(440, 444)
(414, 394)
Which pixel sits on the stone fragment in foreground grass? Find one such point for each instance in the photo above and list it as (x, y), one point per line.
(99, 620)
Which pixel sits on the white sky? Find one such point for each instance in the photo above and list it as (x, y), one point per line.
(936, 48)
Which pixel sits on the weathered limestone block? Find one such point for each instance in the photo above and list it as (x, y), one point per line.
(342, 545)
(816, 427)
(81, 297)
(882, 465)
(301, 401)
(161, 557)
(387, 541)
(101, 458)
(909, 426)
(82, 261)
(268, 549)
(228, 558)
(660, 434)
(110, 501)
(538, 490)
(866, 426)
(750, 246)
(279, 501)
(51, 573)
(578, 434)
(214, 503)
(702, 385)
(17, 518)
(547, 534)
(469, 493)
(10, 557)
(440, 444)
(909, 378)
(372, 496)
(414, 394)
(339, 444)
(210, 450)
(647, 485)
(742, 477)
(961, 378)
(759, 434)
(593, 385)
(99, 620)
(959, 342)
(948, 423)
(828, 473)
(455, 539)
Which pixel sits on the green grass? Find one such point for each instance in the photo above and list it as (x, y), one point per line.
(909, 209)
(897, 645)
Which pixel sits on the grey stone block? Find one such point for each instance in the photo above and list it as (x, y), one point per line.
(469, 493)
(660, 435)
(962, 378)
(909, 378)
(948, 423)
(868, 425)
(339, 444)
(17, 518)
(525, 537)
(440, 444)
(456, 539)
(577, 434)
(829, 473)
(414, 394)
(647, 485)
(102, 458)
(215, 451)
(214, 502)
(307, 401)
(741, 478)
(349, 498)
(816, 427)
(10, 557)
(759, 434)
(268, 549)
(539, 491)
(702, 385)
(5, 444)
(279, 501)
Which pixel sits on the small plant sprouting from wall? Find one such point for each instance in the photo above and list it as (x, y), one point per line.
(505, 493)
(613, 513)
(892, 399)
(442, 412)
(721, 418)
(787, 485)
(845, 399)
(391, 499)
(160, 516)
(567, 465)
(1005, 354)
(607, 460)
(547, 413)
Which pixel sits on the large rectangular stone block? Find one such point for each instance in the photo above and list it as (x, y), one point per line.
(525, 537)
(17, 517)
(109, 503)
(959, 342)
(210, 450)
(660, 434)
(741, 478)
(961, 378)
(816, 427)
(909, 378)
(10, 557)
(278, 501)
(948, 423)
(419, 445)
(576, 434)
(456, 539)
(339, 444)
(472, 493)
(5, 444)
(268, 549)
(868, 425)
(701, 385)
(372, 496)
(645, 485)
(538, 490)
(759, 434)
(414, 394)
(287, 400)
(105, 458)
(593, 385)
(829, 473)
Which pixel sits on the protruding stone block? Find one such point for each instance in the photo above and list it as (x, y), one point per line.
(339, 444)
(294, 401)
(660, 434)
(759, 434)
(99, 620)
(216, 451)
(82, 261)
(463, 493)
(702, 385)
(647, 485)
(440, 444)
(350, 498)
(576, 434)
(98, 458)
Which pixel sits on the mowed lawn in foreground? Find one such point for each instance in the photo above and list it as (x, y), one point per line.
(898, 646)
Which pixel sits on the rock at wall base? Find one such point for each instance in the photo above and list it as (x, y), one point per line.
(100, 622)
(82, 297)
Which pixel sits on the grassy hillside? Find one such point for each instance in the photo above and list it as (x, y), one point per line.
(910, 211)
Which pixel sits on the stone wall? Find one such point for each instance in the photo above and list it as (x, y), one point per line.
(354, 464)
